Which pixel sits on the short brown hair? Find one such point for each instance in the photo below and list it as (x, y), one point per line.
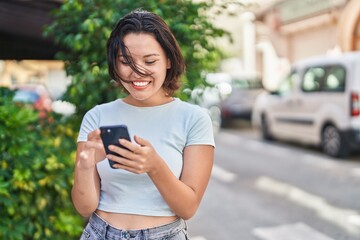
(140, 21)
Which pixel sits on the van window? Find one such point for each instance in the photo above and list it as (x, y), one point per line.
(335, 80)
(313, 79)
(329, 78)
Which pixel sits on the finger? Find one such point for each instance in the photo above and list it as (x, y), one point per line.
(128, 165)
(94, 135)
(141, 141)
(127, 144)
(121, 161)
(96, 145)
(126, 168)
(122, 151)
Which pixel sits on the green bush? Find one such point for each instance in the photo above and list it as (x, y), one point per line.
(36, 166)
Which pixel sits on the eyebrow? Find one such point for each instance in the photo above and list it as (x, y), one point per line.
(147, 55)
(152, 54)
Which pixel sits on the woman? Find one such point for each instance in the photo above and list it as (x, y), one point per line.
(161, 178)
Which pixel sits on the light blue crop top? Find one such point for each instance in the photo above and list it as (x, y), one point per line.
(169, 128)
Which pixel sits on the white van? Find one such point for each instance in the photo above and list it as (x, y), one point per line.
(316, 104)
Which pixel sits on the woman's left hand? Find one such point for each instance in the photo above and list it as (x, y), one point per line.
(140, 157)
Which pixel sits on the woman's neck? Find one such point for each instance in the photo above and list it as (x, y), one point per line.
(148, 102)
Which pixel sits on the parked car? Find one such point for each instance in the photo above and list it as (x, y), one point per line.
(227, 97)
(36, 95)
(316, 104)
(239, 103)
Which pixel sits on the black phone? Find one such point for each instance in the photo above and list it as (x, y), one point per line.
(110, 135)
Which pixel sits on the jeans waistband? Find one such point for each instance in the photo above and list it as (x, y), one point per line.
(111, 232)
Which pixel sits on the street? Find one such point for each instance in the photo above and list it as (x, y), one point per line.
(277, 191)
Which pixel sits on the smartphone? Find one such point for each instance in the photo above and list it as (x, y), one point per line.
(110, 135)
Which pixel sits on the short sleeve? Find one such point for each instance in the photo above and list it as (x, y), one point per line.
(201, 129)
(89, 123)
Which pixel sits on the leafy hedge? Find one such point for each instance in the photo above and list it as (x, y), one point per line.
(36, 169)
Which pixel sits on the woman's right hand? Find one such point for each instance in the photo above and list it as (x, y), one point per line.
(86, 189)
(90, 152)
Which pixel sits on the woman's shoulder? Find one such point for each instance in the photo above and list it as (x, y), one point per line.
(100, 109)
(106, 106)
(186, 105)
(190, 107)
(192, 112)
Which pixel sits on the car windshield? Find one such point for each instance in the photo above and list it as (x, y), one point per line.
(288, 83)
(25, 96)
(246, 83)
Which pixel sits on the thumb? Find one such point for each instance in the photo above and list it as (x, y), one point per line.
(141, 141)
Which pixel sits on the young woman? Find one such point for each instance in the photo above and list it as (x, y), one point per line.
(161, 178)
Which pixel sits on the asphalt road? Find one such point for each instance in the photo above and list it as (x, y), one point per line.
(277, 191)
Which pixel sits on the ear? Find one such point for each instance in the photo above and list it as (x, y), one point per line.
(168, 64)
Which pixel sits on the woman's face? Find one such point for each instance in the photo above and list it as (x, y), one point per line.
(148, 56)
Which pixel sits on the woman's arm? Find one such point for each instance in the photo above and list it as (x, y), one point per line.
(184, 195)
(86, 189)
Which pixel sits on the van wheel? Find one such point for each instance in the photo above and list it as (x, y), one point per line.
(333, 143)
(265, 129)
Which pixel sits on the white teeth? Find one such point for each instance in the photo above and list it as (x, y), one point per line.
(140, 84)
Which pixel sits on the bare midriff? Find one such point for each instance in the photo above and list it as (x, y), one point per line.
(134, 222)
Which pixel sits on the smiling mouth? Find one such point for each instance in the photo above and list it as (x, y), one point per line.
(140, 84)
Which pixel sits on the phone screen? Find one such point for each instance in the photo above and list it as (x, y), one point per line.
(110, 135)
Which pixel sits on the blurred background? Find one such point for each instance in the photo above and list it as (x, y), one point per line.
(279, 78)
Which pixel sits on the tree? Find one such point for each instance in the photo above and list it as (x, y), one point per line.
(82, 27)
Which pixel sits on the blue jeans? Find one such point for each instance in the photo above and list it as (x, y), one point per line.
(99, 229)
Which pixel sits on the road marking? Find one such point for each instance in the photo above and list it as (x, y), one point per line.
(198, 238)
(347, 219)
(223, 174)
(297, 231)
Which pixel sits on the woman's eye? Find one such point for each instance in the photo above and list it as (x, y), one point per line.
(150, 62)
(123, 61)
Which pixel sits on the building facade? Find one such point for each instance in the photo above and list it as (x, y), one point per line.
(292, 30)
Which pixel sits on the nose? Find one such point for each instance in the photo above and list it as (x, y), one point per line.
(135, 74)
(141, 73)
